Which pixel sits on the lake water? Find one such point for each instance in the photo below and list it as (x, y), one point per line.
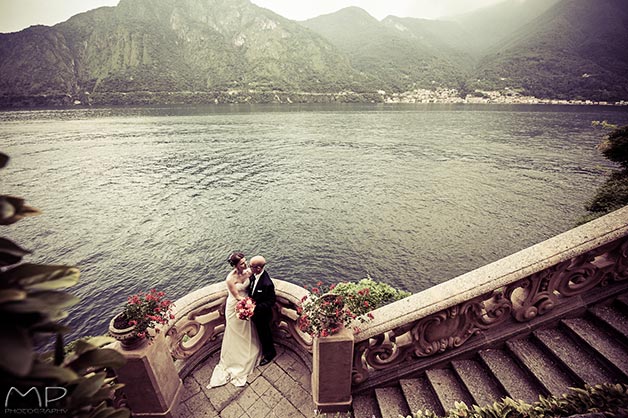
(413, 195)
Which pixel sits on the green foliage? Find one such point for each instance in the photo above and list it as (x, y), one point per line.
(324, 310)
(323, 313)
(32, 301)
(378, 295)
(604, 124)
(615, 146)
(613, 194)
(609, 399)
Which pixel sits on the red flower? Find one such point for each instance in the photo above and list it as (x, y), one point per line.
(323, 312)
(147, 310)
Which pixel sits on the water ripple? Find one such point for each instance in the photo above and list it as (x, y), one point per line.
(141, 198)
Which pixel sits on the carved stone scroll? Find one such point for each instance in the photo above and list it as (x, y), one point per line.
(195, 329)
(518, 302)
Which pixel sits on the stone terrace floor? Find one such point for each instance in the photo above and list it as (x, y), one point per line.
(280, 389)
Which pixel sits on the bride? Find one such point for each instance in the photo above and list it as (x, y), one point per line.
(240, 351)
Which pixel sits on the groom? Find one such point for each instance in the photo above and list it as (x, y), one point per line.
(262, 290)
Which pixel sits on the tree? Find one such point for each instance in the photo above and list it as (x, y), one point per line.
(613, 194)
(615, 146)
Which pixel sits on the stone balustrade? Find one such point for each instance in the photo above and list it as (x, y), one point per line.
(196, 331)
(513, 295)
(493, 303)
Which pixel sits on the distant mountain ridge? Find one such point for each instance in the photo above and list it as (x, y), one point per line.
(162, 49)
(488, 26)
(577, 49)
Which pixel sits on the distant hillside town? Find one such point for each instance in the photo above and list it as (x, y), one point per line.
(508, 96)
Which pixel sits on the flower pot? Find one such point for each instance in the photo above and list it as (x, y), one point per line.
(126, 334)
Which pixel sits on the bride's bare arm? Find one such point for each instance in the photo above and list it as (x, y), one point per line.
(231, 286)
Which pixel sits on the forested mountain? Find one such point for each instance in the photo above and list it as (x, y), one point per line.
(395, 51)
(576, 49)
(547, 48)
(171, 45)
(487, 27)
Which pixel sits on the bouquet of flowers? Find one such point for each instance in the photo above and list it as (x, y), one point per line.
(245, 308)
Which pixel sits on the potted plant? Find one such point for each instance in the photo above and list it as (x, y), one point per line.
(329, 308)
(142, 313)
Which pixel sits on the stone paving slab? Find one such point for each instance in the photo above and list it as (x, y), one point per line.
(281, 389)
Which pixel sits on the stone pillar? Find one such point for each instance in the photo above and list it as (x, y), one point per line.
(331, 371)
(152, 384)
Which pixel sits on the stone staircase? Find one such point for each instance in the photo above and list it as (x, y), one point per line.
(589, 349)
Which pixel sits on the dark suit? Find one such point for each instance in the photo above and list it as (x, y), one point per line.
(264, 297)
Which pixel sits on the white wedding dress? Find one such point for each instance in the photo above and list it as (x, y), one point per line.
(240, 351)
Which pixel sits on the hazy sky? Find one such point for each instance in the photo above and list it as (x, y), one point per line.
(16, 15)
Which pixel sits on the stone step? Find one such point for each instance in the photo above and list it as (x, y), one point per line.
(391, 402)
(545, 368)
(575, 357)
(621, 302)
(419, 395)
(604, 343)
(517, 383)
(448, 388)
(365, 405)
(613, 318)
(588, 350)
(480, 383)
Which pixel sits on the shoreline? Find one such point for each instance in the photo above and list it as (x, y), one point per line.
(251, 97)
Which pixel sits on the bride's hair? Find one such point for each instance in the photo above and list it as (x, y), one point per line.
(235, 258)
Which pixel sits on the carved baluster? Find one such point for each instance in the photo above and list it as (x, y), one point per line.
(360, 366)
(192, 331)
(286, 323)
(535, 295)
(616, 262)
(495, 310)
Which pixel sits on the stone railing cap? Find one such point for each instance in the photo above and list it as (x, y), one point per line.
(498, 274)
